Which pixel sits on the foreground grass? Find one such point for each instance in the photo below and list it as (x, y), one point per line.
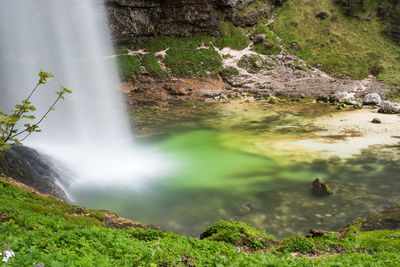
(48, 231)
(354, 45)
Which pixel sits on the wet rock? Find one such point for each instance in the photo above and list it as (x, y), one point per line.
(316, 232)
(34, 169)
(372, 99)
(259, 38)
(376, 120)
(389, 219)
(319, 186)
(389, 108)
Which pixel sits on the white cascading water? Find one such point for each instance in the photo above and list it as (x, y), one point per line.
(89, 131)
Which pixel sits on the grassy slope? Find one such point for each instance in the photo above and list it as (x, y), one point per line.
(45, 230)
(353, 45)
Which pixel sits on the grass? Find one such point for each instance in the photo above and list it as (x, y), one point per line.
(232, 36)
(52, 232)
(270, 46)
(353, 45)
(249, 63)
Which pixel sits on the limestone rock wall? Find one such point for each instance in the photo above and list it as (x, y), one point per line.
(132, 20)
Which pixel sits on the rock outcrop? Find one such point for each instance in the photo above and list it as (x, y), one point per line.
(29, 167)
(132, 20)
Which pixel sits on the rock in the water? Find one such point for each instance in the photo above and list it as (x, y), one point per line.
(372, 99)
(259, 38)
(376, 120)
(389, 108)
(321, 187)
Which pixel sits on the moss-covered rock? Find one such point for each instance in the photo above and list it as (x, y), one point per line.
(238, 234)
(389, 219)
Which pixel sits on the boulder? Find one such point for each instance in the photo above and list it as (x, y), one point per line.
(376, 120)
(372, 99)
(34, 169)
(259, 38)
(319, 186)
(389, 108)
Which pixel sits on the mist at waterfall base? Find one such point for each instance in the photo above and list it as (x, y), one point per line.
(89, 132)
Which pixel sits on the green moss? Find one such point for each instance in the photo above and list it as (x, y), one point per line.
(128, 65)
(297, 244)
(238, 234)
(152, 66)
(229, 71)
(232, 36)
(249, 63)
(55, 233)
(270, 46)
(190, 61)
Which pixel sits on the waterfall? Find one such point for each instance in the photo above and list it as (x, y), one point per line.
(89, 132)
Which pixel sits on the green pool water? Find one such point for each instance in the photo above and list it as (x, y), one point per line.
(243, 163)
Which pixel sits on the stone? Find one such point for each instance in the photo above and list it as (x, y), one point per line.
(317, 232)
(343, 97)
(258, 64)
(389, 108)
(176, 89)
(372, 99)
(319, 186)
(295, 46)
(259, 38)
(34, 169)
(376, 120)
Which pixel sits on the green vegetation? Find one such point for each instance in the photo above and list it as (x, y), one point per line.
(152, 66)
(232, 36)
(270, 46)
(252, 63)
(9, 122)
(238, 234)
(128, 65)
(339, 44)
(54, 233)
(185, 57)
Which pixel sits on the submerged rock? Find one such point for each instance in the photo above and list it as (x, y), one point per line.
(319, 186)
(376, 120)
(389, 108)
(372, 99)
(389, 219)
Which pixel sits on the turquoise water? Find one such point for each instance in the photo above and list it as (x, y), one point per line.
(229, 166)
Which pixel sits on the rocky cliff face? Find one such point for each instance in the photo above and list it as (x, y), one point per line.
(132, 20)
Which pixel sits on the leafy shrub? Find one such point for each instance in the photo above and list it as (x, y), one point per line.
(238, 234)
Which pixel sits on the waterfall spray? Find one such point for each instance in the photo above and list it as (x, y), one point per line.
(89, 133)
